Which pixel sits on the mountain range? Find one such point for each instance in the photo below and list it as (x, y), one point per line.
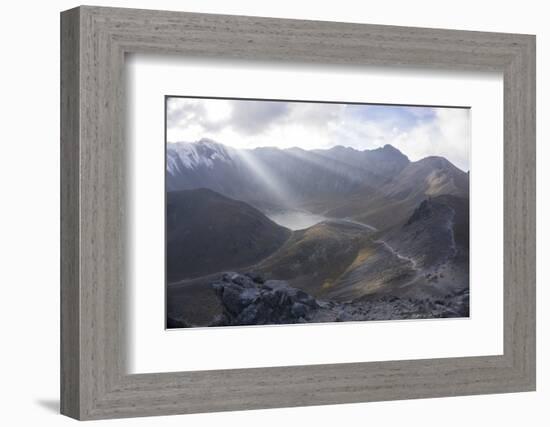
(380, 187)
(381, 226)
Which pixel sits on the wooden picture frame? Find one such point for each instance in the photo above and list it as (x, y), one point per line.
(94, 41)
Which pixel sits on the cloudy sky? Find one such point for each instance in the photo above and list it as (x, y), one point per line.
(416, 131)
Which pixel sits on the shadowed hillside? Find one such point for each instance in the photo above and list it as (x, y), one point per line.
(207, 232)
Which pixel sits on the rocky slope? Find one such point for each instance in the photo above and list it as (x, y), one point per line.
(426, 257)
(250, 300)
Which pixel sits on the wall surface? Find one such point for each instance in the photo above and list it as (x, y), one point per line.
(29, 225)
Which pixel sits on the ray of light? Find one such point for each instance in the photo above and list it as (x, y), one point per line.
(333, 166)
(261, 171)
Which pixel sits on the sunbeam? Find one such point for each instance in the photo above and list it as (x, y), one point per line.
(331, 165)
(269, 181)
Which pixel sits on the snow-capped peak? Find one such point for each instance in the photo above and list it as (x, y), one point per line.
(192, 155)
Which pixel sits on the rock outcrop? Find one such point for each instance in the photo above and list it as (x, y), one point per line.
(249, 300)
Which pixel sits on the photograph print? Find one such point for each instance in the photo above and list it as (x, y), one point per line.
(286, 212)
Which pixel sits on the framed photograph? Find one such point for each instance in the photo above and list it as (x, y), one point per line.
(309, 213)
(263, 213)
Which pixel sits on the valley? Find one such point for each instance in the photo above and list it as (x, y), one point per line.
(365, 235)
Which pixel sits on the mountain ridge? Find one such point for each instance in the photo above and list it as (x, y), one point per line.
(340, 181)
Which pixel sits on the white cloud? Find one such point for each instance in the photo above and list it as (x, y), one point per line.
(447, 135)
(417, 131)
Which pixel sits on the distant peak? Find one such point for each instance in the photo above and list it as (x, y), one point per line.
(339, 148)
(438, 161)
(390, 150)
(202, 141)
(389, 147)
(207, 141)
(191, 155)
(434, 158)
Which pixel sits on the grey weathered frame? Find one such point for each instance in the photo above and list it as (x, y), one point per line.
(94, 41)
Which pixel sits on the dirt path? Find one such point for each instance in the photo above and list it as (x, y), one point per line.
(398, 255)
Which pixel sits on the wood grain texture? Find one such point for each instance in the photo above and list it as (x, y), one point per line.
(70, 221)
(94, 271)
